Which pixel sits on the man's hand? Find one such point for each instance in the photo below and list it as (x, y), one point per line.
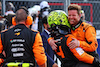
(43, 65)
(55, 65)
(52, 44)
(74, 43)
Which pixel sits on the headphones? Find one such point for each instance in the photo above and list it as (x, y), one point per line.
(29, 19)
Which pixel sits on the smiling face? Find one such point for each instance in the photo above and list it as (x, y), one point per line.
(73, 17)
(74, 14)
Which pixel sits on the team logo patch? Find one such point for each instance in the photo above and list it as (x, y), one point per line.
(17, 33)
(79, 51)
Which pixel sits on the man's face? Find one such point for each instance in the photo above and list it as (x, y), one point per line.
(73, 17)
(46, 26)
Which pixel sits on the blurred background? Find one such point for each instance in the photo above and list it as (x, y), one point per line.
(90, 7)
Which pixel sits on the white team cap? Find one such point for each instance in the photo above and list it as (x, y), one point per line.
(37, 7)
(34, 9)
(44, 4)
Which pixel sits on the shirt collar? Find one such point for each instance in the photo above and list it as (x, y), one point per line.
(76, 26)
(47, 31)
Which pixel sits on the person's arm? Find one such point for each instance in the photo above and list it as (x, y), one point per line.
(55, 65)
(52, 42)
(38, 51)
(90, 44)
(43, 65)
(80, 54)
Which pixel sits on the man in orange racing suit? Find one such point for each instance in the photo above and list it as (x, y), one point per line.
(22, 44)
(75, 57)
(84, 33)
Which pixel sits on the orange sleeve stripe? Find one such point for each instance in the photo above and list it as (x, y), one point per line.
(38, 50)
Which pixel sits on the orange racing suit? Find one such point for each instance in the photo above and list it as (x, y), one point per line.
(86, 34)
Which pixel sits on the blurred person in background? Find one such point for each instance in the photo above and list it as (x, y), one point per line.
(34, 12)
(9, 14)
(0, 8)
(48, 50)
(83, 17)
(2, 19)
(44, 11)
(9, 8)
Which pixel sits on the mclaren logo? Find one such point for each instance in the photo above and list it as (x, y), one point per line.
(17, 33)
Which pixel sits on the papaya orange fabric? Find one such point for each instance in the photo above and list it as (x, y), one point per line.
(86, 34)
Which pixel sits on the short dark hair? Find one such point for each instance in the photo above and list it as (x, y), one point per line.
(24, 8)
(74, 7)
(21, 15)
